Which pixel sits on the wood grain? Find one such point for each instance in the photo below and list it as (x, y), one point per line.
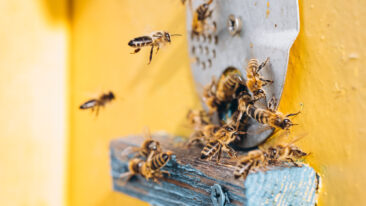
(191, 179)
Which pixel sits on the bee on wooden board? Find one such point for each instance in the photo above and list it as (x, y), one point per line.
(150, 169)
(200, 15)
(277, 155)
(97, 103)
(220, 142)
(203, 134)
(155, 39)
(255, 81)
(269, 116)
(149, 145)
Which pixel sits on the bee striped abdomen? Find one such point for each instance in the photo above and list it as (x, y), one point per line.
(210, 149)
(140, 41)
(159, 161)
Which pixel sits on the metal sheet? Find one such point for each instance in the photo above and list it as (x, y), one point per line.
(268, 30)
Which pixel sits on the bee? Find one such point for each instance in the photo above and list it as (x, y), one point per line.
(199, 18)
(220, 142)
(277, 155)
(269, 116)
(284, 154)
(97, 103)
(149, 145)
(228, 86)
(254, 159)
(198, 118)
(255, 81)
(204, 134)
(150, 169)
(156, 39)
(209, 96)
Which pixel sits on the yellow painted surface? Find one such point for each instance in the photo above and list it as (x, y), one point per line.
(325, 74)
(33, 51)
(157, 95)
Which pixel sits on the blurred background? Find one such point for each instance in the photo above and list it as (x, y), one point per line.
(56, 54)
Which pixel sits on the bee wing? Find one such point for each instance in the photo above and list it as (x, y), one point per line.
(147, 133)
(128, 151)
(297, 138)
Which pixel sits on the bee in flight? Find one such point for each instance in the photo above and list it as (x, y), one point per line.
(156, 39)
(255, 81)
(150, 169)
(97, 103)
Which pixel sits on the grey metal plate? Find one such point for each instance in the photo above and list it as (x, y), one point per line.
(268, 30)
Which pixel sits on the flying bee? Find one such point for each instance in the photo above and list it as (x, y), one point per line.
(269, 116)
(150, 169)
(204, 134)
(97, 103)
(156, 39)
(199, 21)
(227, 87)
(222, 138)
(255, 81)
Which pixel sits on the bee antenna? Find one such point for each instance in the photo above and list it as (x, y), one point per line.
(176, 35)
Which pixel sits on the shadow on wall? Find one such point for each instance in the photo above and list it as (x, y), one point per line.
(57, 11)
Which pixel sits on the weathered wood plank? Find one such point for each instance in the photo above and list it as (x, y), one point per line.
(191, 179)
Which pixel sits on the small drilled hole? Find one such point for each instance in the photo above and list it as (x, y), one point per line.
(206, 50)
(203, 37)
(193, 50)
(216, 39)
(213, 53)
(214, 25)
(198, 61)
(200, 49)
(209, 63)
(209, 38)
(203, 65)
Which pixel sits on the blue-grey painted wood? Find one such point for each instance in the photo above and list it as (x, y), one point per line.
(191, 179)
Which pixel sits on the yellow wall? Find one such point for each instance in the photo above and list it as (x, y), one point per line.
(156, 96)
(33, 50)
(325, 74)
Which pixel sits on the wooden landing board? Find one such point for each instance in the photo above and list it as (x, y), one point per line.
(191, 179)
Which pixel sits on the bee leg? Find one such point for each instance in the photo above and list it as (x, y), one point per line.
(157, 49)
(272, 104)
(151, 53)
(266, 81)
(136, 51)
(292, 162)
(230, 151)
(97, 111)
(166, 172)
(262, 65)
(219, 155)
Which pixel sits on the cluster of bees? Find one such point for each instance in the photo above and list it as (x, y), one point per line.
(215, 138)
